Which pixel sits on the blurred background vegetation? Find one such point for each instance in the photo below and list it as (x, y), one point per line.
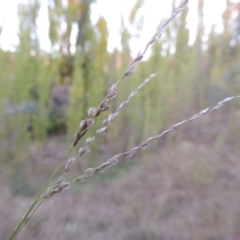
(45, 94)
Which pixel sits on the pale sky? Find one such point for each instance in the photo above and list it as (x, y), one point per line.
(153, 11)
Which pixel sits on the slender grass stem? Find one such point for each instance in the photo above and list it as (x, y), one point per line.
(31, 208)
(33, 211)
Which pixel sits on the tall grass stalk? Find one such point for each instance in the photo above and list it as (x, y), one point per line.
(61, 183)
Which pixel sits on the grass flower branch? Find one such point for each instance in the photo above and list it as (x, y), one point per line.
(130, 153)
(85, 124)
(111, 117)
(61, 183)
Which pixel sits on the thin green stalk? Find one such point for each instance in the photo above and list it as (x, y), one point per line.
(31, 208)
(28, 218)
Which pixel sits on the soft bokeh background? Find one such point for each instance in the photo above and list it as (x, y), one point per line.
(58, 58)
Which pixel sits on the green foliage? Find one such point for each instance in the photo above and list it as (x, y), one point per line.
(76, 104)
(188, 77)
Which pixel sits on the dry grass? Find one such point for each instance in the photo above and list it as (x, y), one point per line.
(170, 200)
(61, 184)
(130, 153)
(187, 190)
